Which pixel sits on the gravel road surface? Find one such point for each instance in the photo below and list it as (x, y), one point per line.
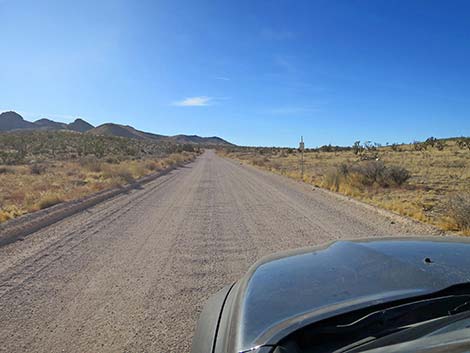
(131, 274)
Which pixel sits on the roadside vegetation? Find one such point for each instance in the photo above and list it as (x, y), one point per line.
(428, 181)
(41, 169)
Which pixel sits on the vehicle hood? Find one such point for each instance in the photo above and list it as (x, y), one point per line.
(287, 291)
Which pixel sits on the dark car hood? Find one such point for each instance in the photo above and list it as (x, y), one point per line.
(287, 291)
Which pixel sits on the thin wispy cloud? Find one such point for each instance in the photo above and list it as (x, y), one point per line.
(194, 101)
(222, 78)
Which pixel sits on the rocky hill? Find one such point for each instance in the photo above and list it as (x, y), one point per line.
(12, 121)
(80, 125)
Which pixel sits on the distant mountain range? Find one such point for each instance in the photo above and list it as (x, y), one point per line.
(12, 121)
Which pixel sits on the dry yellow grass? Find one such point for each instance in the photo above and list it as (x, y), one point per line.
(435, 177)
(27, 188)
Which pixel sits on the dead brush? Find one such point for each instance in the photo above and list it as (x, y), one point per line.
(260, 161)
(458, 209)
(175, 158)
(49, 200)
(119, 174)
(332, 179)
(152, 165)
(9, 212)
(92, 164)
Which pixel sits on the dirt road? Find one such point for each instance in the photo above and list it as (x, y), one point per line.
(131, 274)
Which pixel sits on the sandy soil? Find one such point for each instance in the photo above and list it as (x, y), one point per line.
(131, 274)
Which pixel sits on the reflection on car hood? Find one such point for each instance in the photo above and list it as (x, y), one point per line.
(284, 292)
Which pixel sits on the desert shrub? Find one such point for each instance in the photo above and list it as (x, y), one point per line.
(260, 161)
(121, 174)
(11, 157)
(458, 208)
(371, 172)
(48, 201)
(395, 175)
(440, 145)
(419, 146)
(431, 141)
(175, 158)
(464, 143)
(343, 169)
(6, 170)
(276, 165)
(332, 179)
(137, 170)
(92, 164)
(152, 165)
(37, 169)
(112, 160)
(188, 148)
(125, 175)
(365, 174)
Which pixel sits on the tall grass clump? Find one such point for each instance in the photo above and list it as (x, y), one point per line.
(48, 201)
(175, 159)
(9, 212)
(92, 164)
(121, 174)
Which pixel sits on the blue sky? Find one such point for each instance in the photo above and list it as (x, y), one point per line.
(253, 72)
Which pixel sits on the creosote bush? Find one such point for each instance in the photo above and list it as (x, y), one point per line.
(371, 173)
(37, 169)
(395, 175)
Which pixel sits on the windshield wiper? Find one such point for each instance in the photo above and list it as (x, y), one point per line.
(390, 322)
(405, 334)
(389, 319)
